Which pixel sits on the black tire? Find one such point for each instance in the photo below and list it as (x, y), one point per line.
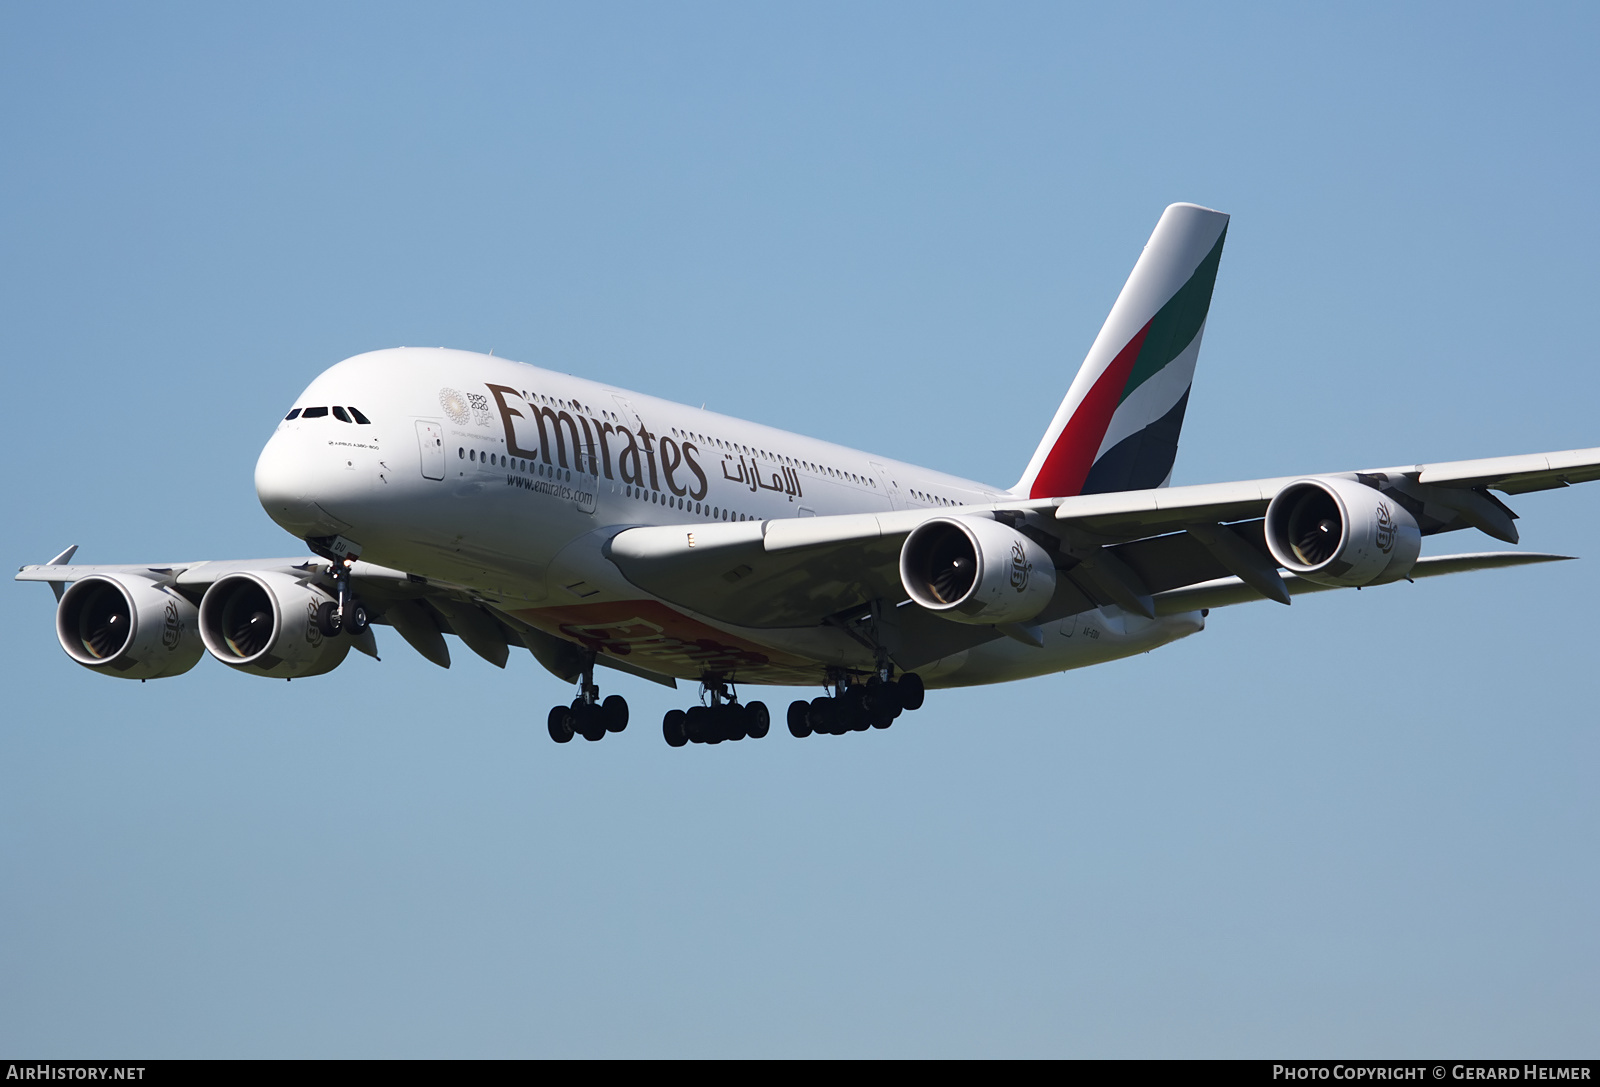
(560, 723)
(757, 721)
(615, 709)
(589, 722)
(735, 721)
(882, 700)
(355, 620)
(328, 619)
(672, 728)
(823, 717)
(853, 710)
(799, 720)
(697, 722)
(911, 691)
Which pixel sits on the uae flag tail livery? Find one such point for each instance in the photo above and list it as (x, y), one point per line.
(1117, 429)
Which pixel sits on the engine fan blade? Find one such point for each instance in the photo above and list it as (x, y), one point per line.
(250, 637)
(1317, 545)
(104, 629)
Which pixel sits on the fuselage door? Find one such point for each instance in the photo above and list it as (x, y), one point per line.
(430, 442)
(890, 487)
(585, 481)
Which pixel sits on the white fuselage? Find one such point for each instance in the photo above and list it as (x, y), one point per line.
(508, 479)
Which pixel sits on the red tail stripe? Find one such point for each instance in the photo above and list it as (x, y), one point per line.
(1069, 460)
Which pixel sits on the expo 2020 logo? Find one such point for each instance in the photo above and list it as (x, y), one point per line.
(454, 405)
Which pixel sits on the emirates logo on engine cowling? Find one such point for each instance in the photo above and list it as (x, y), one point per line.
(313, 630)
(1386, 529)
(1020, 567)
(172, 627)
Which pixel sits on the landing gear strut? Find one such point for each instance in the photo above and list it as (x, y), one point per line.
(723, 717)
(587, 716)
(343, 614)
(856, 706)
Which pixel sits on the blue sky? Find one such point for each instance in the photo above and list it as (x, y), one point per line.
(1365, 824)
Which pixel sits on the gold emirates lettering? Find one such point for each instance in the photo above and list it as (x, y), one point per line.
(558, 426)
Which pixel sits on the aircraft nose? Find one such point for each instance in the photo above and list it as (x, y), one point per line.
(283, 477)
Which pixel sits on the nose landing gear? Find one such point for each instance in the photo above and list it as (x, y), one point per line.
(723, 718)
(343, 614)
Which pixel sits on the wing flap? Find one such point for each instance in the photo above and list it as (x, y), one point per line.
(1515, 475)
(1223, 592)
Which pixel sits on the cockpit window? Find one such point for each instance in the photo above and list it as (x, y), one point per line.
(362, 419)
(314, 413)
(340, 414)
(291, 415)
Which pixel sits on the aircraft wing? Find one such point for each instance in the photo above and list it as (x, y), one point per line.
(1126, 547)
(1230, 590)
(1120, 514)
(421, 610)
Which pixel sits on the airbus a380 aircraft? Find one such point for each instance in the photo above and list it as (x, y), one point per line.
(445, 492)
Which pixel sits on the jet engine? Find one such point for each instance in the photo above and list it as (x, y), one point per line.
(265, 623)
(1339, 532)
(974, 570)
(128, 627)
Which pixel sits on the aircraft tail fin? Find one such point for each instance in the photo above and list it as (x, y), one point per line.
(1117, 429)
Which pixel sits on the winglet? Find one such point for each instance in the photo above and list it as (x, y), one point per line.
(60, 560)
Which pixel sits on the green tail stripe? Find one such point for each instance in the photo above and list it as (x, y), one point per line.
(1178, 322)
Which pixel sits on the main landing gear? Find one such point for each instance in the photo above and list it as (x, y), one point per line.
(724, 718)
(856, 707)
(587, 716)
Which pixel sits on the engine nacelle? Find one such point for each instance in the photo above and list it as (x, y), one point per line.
(265, 623)
(974, 570)
(128, 627)
(1339, 532)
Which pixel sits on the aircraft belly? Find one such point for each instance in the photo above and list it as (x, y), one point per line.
(1093, 637)
(657, 637)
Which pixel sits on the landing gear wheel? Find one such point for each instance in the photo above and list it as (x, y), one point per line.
(615, 710)
(355, 620)
(672, 728)
(716, 723)
(560, 724)
(882, 700)
(852, 711)
(328, 619)
(696, 724)
(799, 720)
(590, 723)
(911, 691)
(735, 721)
(822, 717)
(757, 721)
